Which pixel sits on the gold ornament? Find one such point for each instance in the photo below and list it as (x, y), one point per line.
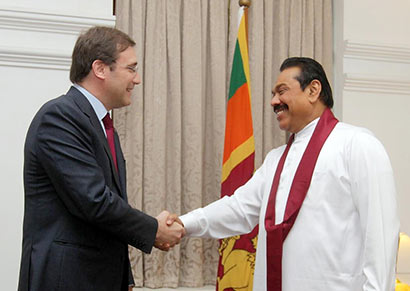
(245, 3)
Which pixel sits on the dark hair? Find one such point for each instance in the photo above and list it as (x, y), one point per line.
(97, 43)
(310, 70)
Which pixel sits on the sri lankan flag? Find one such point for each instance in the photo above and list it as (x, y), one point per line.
(237, 254)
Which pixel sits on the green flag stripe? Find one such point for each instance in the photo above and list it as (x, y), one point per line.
(238, 77)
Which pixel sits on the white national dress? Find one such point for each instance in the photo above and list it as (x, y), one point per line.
(346, 234)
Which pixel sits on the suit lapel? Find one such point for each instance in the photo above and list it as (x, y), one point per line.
(88, 110)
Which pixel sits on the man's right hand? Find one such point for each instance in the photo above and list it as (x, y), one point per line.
(168, 234)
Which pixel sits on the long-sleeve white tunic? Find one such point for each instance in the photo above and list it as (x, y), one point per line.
(346, 234)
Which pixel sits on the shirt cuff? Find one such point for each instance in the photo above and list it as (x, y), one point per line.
(190, 221)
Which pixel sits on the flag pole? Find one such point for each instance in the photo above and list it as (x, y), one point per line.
(238, 253)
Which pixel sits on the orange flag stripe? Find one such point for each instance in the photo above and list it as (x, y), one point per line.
(238, 115)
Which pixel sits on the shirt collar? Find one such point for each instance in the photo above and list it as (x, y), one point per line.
(307, 131)
(97, 105)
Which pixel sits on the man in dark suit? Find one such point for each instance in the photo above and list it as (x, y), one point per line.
(77, 222)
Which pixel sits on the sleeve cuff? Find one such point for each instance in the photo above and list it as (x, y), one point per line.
(191, 222)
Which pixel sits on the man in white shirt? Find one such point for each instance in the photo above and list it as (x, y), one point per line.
(329, 221)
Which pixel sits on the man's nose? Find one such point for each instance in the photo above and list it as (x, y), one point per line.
(275, 99)
(137, 79)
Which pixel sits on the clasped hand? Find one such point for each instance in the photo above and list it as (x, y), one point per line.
(170, 231)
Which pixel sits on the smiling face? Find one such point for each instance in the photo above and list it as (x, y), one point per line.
(292, 105)
(121, 78)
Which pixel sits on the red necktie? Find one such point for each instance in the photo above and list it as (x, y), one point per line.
(276, 234)
(109, 129)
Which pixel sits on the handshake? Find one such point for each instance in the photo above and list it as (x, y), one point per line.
(170, 231)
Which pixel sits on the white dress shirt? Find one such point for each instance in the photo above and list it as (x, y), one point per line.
(345, 236)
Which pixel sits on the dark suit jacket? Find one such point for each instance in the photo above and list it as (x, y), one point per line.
(77, 222)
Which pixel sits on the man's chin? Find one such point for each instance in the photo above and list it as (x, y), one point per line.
(283, 126)
(126, 102)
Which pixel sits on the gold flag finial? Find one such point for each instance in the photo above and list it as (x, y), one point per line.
(245, 3)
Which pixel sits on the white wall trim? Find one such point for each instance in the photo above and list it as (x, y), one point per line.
(46, 22)
(378, 52)
(38, 22)
(376, 84)
(29, 58)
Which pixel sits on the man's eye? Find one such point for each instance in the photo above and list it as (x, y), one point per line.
(132, 69)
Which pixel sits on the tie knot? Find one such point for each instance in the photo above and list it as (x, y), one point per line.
(107, 121)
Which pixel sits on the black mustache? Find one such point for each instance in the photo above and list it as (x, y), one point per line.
(280, 107)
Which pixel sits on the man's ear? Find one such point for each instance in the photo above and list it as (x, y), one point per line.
(99, 69)
(315, 87)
